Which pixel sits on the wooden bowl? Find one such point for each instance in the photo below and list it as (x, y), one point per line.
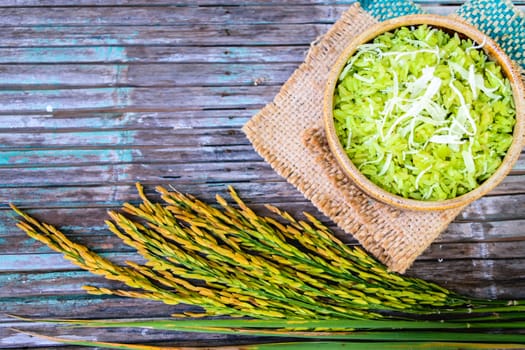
(450, 25)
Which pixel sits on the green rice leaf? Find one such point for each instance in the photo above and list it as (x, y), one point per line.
(286, 346)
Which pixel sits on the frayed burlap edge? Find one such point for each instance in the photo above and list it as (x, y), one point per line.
(288, 134)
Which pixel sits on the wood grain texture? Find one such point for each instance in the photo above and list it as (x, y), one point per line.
(96, 95)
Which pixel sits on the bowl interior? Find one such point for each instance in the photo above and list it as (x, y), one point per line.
(451, 26)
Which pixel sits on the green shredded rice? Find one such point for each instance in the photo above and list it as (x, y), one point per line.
(423, 114)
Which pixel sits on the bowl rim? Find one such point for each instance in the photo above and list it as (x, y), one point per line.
(491, 48)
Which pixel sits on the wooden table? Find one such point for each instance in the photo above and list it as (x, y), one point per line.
(96, 96)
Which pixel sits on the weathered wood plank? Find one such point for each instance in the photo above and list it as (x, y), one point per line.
(84, 306)
(182, 15)
(74, 221)
(488, 250)
(172, 154)
(50, 283)
(98, 241)
(170, 15)
(207, 74)
(196, 35)
(200, 35)
(153, 54)
(142, 336)
(488, 231)
(512, 184)
(15, 76)
(495, 208)
(135, 99)
(99, 121)
(488, 208)
(53, 76)
(89, 175)
(487, 278)
(191, 137)
(54, 262)
(115, 195)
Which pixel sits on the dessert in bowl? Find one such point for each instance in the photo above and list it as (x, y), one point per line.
(425, 112)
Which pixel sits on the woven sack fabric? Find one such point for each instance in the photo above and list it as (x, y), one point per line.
(289, 135)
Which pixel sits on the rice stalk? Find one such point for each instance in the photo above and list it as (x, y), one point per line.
(231, 261)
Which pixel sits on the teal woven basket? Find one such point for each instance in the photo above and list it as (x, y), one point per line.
(498, 19)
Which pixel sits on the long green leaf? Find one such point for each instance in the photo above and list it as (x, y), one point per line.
(387, 334)
(339, 324)
(290, 345)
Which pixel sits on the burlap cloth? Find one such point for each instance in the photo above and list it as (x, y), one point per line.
(289, 135)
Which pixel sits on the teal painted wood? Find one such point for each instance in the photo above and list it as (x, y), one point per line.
(100, 121)
(156, 54)
(134, 99)
(51, 139)
(76, 306)
(53, 262)
(81, 157)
